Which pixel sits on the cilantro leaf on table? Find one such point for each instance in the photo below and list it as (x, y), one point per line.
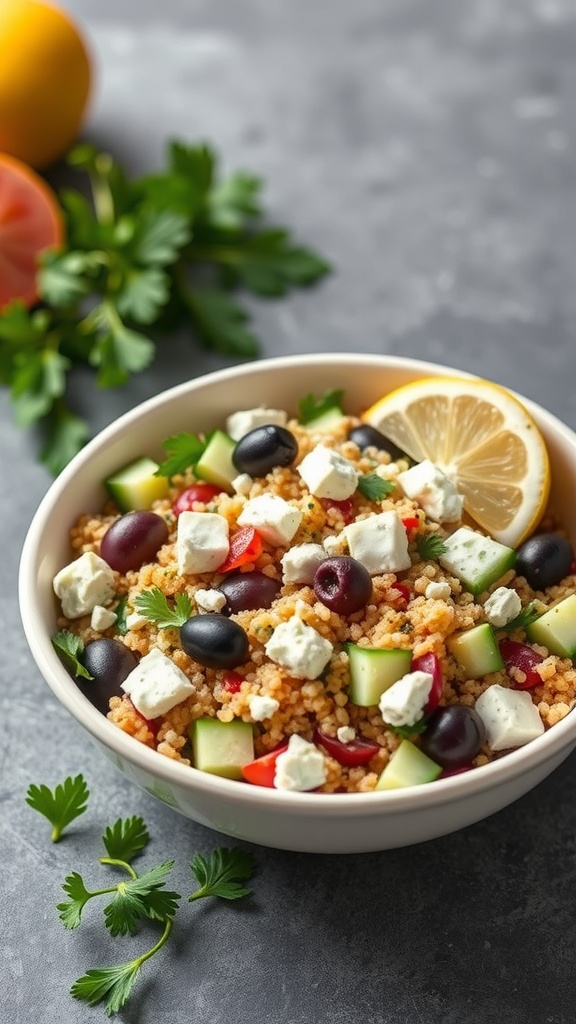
(223, 874)
(430, 546)
(184, 450)
(110, 985)
(61, 805)
(70, 647)
(373, 487)
(311, 406)
(138, 898)
(154, 605)
(126, 838)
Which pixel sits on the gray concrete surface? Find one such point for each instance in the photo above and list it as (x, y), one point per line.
(428, 148)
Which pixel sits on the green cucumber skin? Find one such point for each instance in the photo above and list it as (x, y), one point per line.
(469, 566)
(482, 661)
(327, 420)
(562, 642)
(222, 748)
(373, 670)
(136, 486)
(408, 766)
(215, 465)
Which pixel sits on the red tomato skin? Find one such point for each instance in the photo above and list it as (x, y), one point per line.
(245, 546)
(262, 770)
(196, 492)
(430, 663)
(345, 507)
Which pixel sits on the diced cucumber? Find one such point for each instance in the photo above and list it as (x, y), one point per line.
(215, 464)
(222, 748)
(408, 766)
(326, 421)
(373, 670)
(476, 651)
(136, 487)
(556, 629)
(475, 560)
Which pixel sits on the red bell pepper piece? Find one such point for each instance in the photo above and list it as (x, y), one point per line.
(245, 546)
(410, 523)
(520, 656)
(262, 770)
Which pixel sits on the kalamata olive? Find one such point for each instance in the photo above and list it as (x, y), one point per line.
(110, 662)
(366, 436)
(215, 641)
(454, 735)
(343, 584)
(245, 591)
(263, 448)
(544, 560)
(132, 540)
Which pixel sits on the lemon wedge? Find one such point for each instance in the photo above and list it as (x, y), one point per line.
(485, 441)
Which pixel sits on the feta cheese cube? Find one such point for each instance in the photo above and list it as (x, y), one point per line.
(380, 543)
(262, 707)
(300, 563)
(102, 618)
(510, 716)
(242, 422)
(134, 620)
(327, 474)
(156, 685)
(346, 734)
(433, 490)
(299, 648)
(242, 483)
(502, 606)
(276, 519)
(403, 703)
(301, 767)
(202, 542)
(209, 600)
(438, 591)
(83, 584)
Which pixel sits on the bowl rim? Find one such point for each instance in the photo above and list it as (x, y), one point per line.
(461, 786)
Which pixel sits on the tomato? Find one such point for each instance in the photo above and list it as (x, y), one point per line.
(430, 663)
(522, 657)
(262, 770)
(232, 681)
(404, 592)
(196, 492)
(410, 523)
(352, 754)
(245, 547)
(345, 507)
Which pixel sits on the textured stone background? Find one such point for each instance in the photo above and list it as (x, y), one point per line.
(427, 147)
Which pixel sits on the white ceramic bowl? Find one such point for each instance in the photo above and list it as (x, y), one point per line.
(340, 823)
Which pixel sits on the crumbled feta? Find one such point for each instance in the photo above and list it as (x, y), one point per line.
(300, 563)
(156, 685)
(510, 716)
(346, 734)
(433, 490)
(380, 543)
(335, 544)
(403, 703)
(134, 620)
(83, 584)
(202, 542)
(209, 600)
(242, 483)
(438, 591)
(301, 767)
(276, 519)
(502, 606)
(242, 422)
(299, 648)
(327, 474)
(102, 618)
(262, 707)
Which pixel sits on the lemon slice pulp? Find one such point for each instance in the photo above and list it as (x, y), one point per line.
(483, 438)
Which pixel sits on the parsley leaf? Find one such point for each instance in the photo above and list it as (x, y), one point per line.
(222, 875)
(430, 546)
(61, 805)
(532, 611)
(154, 605)
(373, 487)
(126, 838)
(312, 407)
(406, 731)
(70, 647)
(184, 450)
(130, 901)
(120, 610)
(70, 913)
(111, 985)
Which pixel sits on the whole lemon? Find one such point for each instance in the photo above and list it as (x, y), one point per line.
(45, 78)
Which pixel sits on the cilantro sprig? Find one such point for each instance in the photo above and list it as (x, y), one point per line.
(142, 257)
(529, 613)
(430, 546)
(70, 647)
(153, 604)
(373, 487)
(61, 805)
(311, 407)
(137, 898)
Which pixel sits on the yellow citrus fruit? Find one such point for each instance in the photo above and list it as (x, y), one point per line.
(483, 438)
(45, 76)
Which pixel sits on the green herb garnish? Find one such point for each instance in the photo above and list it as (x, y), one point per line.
(430, 546)
(61, 805)
(406, 731)
(184, 450)
(223, 874)
(145, 256)
(373, 487)
(532, 611)
(311, 407)
(70, 647)
(154, 605)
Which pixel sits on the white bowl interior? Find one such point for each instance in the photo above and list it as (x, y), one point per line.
(306, 822)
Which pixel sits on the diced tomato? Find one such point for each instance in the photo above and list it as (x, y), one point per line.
(351, 754)
(262, 770)
(196, 492)
(430, 663)
(345, 507)
(232, 681)
(520, 656)
(152, 723)
(410, 523)
(245, 546)
(404, 592)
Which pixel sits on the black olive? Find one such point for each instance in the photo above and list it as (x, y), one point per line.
(544, 560)
(215, 641)
(245, 591)
(110, 662)
(263, 448)
(343, 584)
(454, 735)
(366, 436)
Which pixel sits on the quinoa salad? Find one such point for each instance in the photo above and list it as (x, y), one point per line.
(292, 602)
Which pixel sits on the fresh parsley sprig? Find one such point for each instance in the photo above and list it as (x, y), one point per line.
(529, 613)
(153, 604)
(430, 546)
(70, 647)
(142, 256)
(373, 487)
(60, 805)
(311, 407)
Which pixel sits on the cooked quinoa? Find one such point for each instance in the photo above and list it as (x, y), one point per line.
(398, 615)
